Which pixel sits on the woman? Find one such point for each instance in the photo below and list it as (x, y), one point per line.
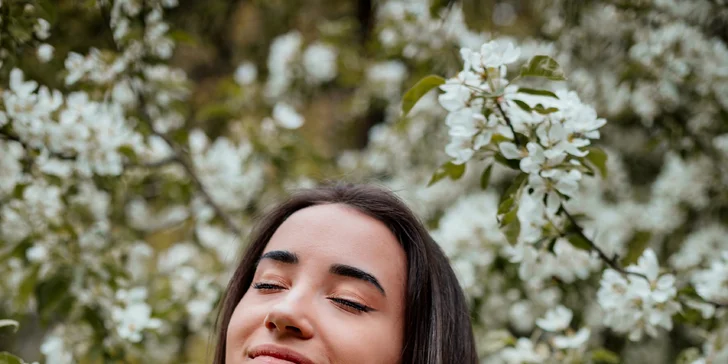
(343, 274)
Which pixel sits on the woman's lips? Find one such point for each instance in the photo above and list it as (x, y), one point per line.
(270, 360)
(274, 354)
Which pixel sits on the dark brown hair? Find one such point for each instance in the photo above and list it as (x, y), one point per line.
(437, 323)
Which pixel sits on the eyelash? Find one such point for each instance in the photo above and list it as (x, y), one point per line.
(343, 302)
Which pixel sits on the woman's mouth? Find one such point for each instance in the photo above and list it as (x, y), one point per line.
(274, 354)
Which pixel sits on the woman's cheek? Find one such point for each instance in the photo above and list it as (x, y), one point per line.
(246, 318)
(368, 342)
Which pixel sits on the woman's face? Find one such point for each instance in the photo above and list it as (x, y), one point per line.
(329, 288)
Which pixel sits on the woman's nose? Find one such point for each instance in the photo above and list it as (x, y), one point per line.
(289, 318)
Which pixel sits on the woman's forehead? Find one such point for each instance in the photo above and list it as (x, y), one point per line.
(339, 234)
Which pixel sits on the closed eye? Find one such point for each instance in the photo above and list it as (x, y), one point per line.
(351, 304)
(267, 286)
(346, 304)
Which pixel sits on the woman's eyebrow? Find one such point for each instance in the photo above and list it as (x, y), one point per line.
(353, 272)
(282, 256)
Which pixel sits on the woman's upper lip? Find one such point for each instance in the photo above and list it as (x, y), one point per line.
(279, 352)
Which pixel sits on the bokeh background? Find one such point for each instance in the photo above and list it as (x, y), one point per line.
(127, 190)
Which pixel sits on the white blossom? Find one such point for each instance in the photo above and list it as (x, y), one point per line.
(286, 116)
(525, 352)
(133, 319)
(712, 283)
(55, 351)
(11, 169)
(319, 61)
(575, 341)
(635, 305)
(283, 51)
(225, 170)
(42, 29)
(245, 74)
(45, 52)
(555, 320)
(387, 77)
(492, 54)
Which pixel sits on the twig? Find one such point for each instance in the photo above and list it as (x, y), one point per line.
(612, 262)
(179, 157)
(508, 121)
(156, 164)
(716, 305)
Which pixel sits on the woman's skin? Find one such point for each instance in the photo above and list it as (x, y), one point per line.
(329, 288)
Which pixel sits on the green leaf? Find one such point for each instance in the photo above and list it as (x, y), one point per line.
(533, 91)
(605, 356)
(688, 315)
(418, 90)
(49, 11)
(636, 246)
(598, 158)
(180, 36)
(508, 209)
(27, 286)
(436, 6)
(20, 33)
(579, 242)
(688, 356)
(13, 323)
(7, 358)
(543, 66)
(485, 177)
(499, 138)
(543, 110)
(509, 196)
(19, 190)
(510, 163)
(214, 111)
(523, 105)
(93, 318)
(511, 226)
(449, 169)
(128, 151)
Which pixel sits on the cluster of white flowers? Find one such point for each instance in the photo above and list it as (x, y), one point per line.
(636, 305)
(386, 77)
(133, 316)
(711, 283)
(184, 265)
(226, 170)
(409, 25)
(155, 38)
(469, 235)
(715, 348)
(548, 145)
(90, 131)
(557, 321)
(286, 61)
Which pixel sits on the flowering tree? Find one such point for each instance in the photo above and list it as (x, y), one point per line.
(127, 180)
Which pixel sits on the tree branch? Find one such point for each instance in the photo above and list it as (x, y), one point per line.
(508, 121)
(179, 157)
(611, 262)
(178, 154)
(155, 164)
